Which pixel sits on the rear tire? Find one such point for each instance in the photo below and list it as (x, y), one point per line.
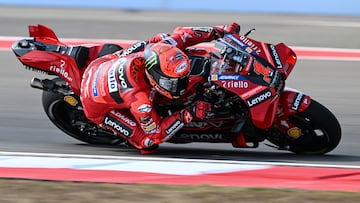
(71, 120)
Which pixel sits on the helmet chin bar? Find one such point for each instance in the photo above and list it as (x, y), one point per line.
(157, 87)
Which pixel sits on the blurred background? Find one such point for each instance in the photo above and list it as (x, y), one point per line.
(320, 19)
(301, 23)
(323, 7)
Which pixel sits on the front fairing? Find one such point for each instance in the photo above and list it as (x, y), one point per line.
(257, 78)
(279, 56)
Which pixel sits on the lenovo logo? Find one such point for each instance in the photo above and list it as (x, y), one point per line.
(259, 98)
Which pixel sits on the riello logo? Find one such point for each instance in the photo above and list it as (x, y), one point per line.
(259, 98)
(60, 70)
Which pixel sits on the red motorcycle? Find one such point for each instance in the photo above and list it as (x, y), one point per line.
(243, 78)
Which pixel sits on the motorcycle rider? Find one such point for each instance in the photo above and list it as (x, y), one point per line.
(117, 90)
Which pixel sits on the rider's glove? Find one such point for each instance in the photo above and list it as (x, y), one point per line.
(231, 28)
(158, 37)
(200, 109)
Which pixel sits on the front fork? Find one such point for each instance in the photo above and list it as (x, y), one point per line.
(291, 102)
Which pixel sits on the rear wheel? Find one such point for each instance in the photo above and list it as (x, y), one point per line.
(320, 131)
(72, 120)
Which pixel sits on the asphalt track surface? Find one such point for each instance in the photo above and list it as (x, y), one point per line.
(25, 128)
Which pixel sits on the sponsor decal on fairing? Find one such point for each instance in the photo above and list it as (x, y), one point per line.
(235, 84)
(215, 77)
(249, 44)
(230, 81)
(61, 70)
(259, 98)
(197, 124)
(297, 102)
(275, 56)
(200, 137)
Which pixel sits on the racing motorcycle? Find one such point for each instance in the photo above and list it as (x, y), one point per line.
(244, 79)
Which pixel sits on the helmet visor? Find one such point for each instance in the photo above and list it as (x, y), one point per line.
(176, 86)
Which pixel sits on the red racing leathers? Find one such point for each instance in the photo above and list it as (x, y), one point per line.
(116, 95)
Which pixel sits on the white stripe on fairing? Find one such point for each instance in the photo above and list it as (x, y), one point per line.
(251, 164)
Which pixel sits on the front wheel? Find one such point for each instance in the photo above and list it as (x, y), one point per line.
(320, 131)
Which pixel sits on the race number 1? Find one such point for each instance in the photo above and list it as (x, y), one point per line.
(264, 71)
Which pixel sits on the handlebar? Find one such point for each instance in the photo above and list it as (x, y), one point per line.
(230, 52)
(235, 55)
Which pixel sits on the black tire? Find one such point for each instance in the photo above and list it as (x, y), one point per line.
(321, 131)
(63, 116)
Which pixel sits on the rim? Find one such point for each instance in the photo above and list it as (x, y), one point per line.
(314, 139)
(66, 120)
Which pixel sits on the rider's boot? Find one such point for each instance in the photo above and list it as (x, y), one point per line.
(149, 147)
(149, 150)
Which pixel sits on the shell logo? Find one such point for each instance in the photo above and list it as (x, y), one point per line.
(294, 132)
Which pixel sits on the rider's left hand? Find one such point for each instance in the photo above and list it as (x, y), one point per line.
(232, 28)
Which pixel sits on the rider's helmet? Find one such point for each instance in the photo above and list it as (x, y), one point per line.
(167, 68)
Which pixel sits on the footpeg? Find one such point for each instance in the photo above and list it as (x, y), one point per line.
(42, 84)
(50, 85)
(37, 83)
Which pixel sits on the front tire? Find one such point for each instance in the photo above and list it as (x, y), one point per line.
(321, 131)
